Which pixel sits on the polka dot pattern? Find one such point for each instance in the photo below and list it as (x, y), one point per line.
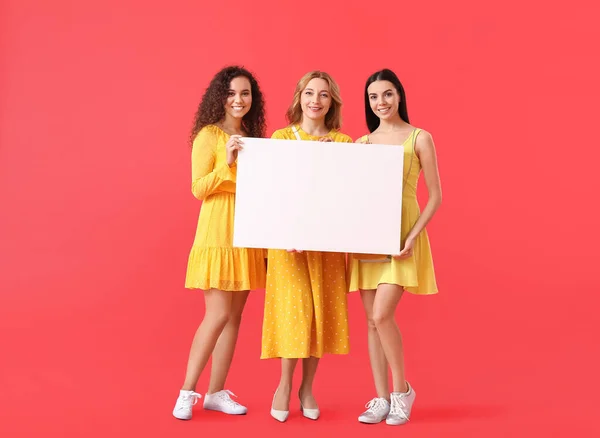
(306, 311)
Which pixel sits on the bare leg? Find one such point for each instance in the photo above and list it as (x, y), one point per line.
(281, 402)
(225, 348)
(384, 308)
(309, 370)
(379, 364)
(216, 315)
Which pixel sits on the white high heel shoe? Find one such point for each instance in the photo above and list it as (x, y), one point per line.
(311, 414)
(280, 416)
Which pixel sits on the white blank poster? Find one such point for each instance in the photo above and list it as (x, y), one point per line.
(320, 196)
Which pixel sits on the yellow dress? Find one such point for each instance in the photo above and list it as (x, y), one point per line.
(213, 262)
(306, 312)
(415, 273)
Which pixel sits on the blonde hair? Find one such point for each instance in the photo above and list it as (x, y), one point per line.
(333, 118)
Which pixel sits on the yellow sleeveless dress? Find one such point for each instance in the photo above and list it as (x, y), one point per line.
(416, 273)
(306, 311)
(213, 261)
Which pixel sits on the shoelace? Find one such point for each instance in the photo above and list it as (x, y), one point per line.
(398, 407)
(375, 405)
(225, 395)
(189, 400)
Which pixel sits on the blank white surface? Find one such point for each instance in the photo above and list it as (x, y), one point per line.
(320, 196)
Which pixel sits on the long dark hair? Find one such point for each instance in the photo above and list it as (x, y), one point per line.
(384, 75)
(212, 106)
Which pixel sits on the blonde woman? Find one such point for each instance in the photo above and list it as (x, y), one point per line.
(306, 312)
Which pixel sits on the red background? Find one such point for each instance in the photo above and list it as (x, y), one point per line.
(97, 217)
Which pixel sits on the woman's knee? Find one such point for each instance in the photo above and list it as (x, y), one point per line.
(381, 318)
(218, 318)
(371, 326)
(235, 318)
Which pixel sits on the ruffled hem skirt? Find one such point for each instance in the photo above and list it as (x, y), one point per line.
(228, 269)
(415, 274)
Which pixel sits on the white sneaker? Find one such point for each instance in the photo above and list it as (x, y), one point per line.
(183, 406)
(401, 406)
(222, 402)
(377, 411)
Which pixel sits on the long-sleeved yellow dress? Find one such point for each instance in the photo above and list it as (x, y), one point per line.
(213, 261)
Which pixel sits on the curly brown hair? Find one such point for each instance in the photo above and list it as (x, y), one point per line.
(212, 106)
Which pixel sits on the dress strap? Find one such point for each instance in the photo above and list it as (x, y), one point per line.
(296, 133)
(413, 138)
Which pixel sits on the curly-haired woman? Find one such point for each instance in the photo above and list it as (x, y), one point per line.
(231, 107)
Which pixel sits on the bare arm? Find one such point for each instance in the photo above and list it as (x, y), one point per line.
(425, 150)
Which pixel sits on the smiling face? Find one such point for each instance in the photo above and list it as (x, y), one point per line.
(239, 98)
(316, 99)
(384, 99)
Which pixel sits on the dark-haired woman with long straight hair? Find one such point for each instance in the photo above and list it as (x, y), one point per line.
(383, 279)
(231, 107)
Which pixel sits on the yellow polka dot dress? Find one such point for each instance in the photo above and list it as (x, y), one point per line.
(306, 312)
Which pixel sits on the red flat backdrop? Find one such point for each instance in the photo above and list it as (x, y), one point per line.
(97, 218)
